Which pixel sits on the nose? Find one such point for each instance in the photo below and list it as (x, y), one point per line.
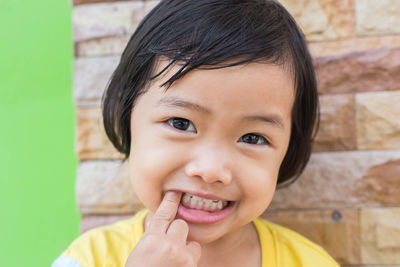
(211, 165)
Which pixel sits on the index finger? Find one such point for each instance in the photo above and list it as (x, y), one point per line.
(165, 213)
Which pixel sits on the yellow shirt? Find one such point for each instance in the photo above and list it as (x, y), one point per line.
(111, 246)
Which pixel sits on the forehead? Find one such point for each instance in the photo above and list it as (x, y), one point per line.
(252, 81)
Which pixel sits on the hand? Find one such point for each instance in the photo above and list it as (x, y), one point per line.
(164, 242)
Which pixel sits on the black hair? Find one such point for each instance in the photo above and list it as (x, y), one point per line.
(208, 34)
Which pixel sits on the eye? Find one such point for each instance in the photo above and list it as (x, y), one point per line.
(181, 124)
(254, 139)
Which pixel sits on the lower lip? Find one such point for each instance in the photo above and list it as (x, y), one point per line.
(201, 216)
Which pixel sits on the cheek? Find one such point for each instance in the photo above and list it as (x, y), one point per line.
(262, 192)
(260, 186)
(145, 177)
(151, 167)
(260, 200)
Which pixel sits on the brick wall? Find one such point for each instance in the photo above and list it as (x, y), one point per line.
(348, 199)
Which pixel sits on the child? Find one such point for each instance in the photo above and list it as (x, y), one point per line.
(214, 103)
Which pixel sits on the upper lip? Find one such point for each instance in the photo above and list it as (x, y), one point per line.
(202, 194)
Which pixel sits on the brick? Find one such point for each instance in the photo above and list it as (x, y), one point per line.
(378, 17)
(388, 234)
(91, 76)
(373, 70)
(337, 129)
(106, 46)
(338, 180)
(109, 45)
(380, 184)
(380, 235)
(92, 221)
(104, 187)
(329, 48)
(378, 120)
(106, 20)
(91, 140)
(336, 231)
(323, 19)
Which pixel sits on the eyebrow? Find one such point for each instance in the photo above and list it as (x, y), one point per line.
(273, 119)
(177, 102)
(172, 101)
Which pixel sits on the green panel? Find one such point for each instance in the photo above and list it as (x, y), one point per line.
(37, 160)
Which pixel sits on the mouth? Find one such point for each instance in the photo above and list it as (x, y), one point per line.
(196, 209)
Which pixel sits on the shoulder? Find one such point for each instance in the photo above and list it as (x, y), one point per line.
(291, 248)
(109, 244)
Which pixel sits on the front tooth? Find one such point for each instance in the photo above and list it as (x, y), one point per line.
(213, 205)
(207, 204)
(196, 198)
(200, 204)
(193, 201)
(186, 198)
(219, 205)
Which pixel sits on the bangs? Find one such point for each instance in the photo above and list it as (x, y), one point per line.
(241, 36)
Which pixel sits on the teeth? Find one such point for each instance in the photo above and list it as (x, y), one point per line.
(186, 198)
(214, 205)
(195, 202)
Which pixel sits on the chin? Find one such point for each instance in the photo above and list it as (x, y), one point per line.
(201, 239)
(203, 234)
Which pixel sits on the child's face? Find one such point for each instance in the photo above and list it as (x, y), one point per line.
(203, 136)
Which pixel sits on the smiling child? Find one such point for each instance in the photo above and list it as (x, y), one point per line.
(214, 103)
